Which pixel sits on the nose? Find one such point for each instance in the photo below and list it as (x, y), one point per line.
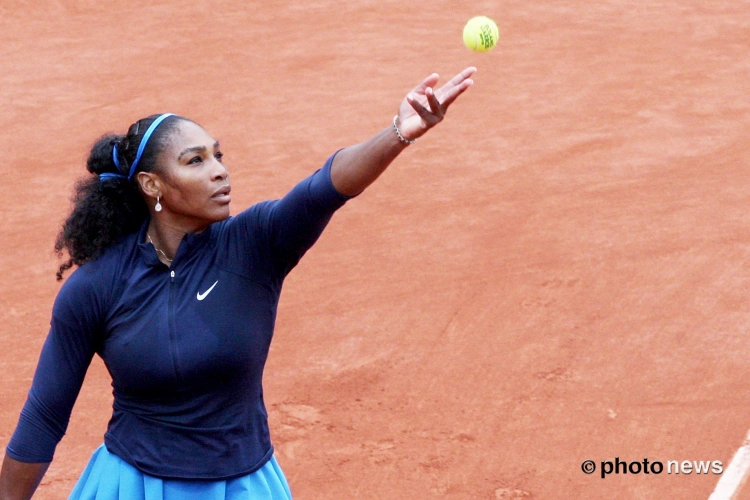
(219, 172)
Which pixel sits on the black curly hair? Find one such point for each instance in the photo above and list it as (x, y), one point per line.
(106, 210)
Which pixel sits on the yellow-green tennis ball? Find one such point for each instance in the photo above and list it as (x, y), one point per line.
(481, 34)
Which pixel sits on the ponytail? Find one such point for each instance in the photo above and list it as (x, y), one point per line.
(109, 206)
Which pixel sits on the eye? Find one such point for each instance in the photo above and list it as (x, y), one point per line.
(195, 160)
(219, 156)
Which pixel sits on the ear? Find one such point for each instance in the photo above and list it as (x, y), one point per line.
(150, 184)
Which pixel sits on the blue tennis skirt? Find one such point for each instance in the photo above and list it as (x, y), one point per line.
(108, 477)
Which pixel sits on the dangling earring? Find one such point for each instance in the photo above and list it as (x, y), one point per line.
(157, 207)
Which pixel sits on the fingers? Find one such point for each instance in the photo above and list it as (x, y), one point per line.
(428, 82)
(432, 80)
(458, 79)
(427, 116)
(439, 100)
(463, 75)
(435, 106)
(456, 91)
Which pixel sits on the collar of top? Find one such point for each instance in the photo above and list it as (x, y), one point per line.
(191, 244)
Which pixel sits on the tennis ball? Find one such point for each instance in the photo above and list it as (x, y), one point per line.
(481, 34)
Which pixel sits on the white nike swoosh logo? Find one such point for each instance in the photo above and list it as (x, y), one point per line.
(202, 296)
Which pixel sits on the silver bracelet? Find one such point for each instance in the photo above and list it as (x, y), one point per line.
(398, 133)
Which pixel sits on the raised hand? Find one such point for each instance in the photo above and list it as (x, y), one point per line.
(356, 167)
(424, 107)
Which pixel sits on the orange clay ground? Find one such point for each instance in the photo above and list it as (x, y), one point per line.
(559, 272)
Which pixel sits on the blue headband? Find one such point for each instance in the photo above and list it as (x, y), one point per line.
(107, 175)
(141, 147)
(144, 141)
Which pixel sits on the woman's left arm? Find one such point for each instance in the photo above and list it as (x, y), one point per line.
(356, 167)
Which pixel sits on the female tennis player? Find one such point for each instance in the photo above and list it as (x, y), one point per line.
(179, 299)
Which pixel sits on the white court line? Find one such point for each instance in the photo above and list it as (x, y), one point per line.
(735, 474)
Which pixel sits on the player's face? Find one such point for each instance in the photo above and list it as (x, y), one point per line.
(195, 182)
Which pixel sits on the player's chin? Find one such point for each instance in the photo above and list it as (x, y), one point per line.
(219, 211)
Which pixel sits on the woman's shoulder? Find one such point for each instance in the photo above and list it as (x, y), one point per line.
(249, 219)
(94, 279)
(112, 257)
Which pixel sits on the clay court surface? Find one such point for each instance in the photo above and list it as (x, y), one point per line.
(559, 272)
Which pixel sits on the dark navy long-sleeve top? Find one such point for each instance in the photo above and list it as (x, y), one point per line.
(185, 345)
